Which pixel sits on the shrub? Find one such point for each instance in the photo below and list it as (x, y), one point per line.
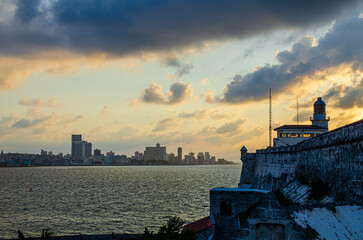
(318, 189)
(283, 201)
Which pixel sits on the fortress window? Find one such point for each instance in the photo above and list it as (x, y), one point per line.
(281, 135)
(225, 208)
(307, 134)
(287, 134)
(295, 135)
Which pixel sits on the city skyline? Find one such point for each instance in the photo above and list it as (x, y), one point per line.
(187, 74)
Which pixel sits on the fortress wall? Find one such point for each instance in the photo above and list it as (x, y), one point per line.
(335, 157)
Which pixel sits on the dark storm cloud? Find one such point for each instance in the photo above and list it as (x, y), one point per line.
(343, 44)
(27, 10)
(131, 26)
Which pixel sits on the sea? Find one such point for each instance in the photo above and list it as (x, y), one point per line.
(102, 199)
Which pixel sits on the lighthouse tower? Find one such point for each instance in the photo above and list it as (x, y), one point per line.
(319, 118)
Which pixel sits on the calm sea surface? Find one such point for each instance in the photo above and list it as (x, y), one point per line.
(101, 200)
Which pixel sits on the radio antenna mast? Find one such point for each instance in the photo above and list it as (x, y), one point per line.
(297, 110)
(270, 114)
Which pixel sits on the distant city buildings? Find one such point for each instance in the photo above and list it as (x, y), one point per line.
(154, 155)
(110, 154)
(81, 155)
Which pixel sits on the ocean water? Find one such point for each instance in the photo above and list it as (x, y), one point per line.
(101, 200)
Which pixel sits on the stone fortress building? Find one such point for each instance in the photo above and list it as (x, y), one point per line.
(308, 190)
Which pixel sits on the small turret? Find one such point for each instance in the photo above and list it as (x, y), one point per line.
(243, 153)
(248, 168)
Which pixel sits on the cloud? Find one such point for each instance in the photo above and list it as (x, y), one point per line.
(345, 118)
(26, 123)
(28, 10)
(209, 97)
(166, 124)
(231, 127)
(173, 121)
(105, 110)
(15, 70)
(30, 29)
(304, 116)
(250, 52)
(197, 114)
(179, 92)
(342, 45)
(39, 102)
(126, 27)
(153, 94)
(182, 68)
(205, 81)
(346, 97)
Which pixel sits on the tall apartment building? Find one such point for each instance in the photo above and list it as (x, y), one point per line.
(155, 153)
(180, 155)
(80, 148)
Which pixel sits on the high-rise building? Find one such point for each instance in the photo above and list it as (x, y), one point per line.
(187, 159)
(155, 153)
(180, 155)
(97, 153)
(43, 152)
(200, 157)
(172, 158)
(76, 140)
(86, 149)
(192, 158)
(80, 148)
(207, 157)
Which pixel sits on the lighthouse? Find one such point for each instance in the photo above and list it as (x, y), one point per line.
(319, 118)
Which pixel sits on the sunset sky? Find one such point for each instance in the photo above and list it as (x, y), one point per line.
(130, 73)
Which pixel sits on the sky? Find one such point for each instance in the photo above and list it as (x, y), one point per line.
(193, 74)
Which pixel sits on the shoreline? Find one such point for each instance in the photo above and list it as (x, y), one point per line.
(140, 165)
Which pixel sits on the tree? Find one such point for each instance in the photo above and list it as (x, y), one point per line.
(172, 231)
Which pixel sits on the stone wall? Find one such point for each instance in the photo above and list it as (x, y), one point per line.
(335, 157)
